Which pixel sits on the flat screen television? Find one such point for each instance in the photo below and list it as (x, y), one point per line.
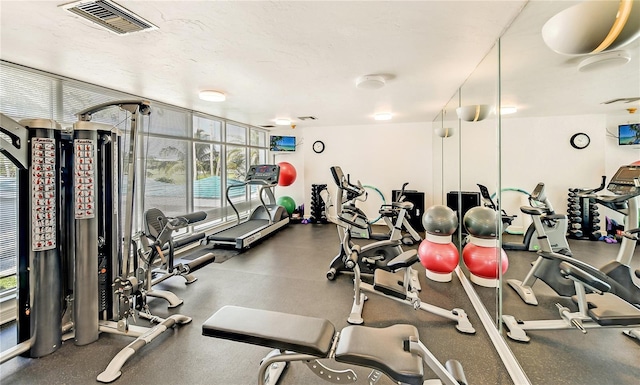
(629, 134)
(282, 143)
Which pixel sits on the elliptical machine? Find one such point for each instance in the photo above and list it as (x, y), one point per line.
(375, 255)
(554, 226)
(625, 184)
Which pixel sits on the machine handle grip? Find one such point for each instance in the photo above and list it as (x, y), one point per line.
(352, 223)
(352, 261)
(15, 139)
(573, 271)
(631, 234)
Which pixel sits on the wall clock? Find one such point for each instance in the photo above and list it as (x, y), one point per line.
(318, 146)
(580, 140)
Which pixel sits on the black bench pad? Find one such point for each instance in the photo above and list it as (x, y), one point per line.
(610, 310)
(382, 349)
(306, 335)
(184, 241)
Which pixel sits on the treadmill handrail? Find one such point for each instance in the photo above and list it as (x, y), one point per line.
(245, 183)
(229, 199)
(264, 205)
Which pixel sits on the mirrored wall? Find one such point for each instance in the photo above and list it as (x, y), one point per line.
(480, 140)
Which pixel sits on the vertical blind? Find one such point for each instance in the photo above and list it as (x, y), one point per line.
(170, 132)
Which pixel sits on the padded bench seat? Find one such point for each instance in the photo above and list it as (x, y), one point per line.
(282, 331)
(382, 349)
(610, 310)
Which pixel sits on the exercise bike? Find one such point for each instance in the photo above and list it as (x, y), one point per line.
(389, 213)
(554, 225)
(375, 255)
(397, 281)
(617, 274)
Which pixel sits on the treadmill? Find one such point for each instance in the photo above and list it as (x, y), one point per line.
(264, 219)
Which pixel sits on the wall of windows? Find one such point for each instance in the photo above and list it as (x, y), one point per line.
(185, 162)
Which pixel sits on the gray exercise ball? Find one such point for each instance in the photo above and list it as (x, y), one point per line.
(481, 222)
(439, 220)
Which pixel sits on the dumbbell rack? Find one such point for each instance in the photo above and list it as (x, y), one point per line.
(583, 216)
(318, 209)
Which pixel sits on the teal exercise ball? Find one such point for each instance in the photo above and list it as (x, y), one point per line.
(288, 203)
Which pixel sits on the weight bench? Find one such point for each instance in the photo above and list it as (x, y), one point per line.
(395, 350)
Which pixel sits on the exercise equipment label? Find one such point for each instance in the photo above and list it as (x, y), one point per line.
(43, 182)
(84, 181)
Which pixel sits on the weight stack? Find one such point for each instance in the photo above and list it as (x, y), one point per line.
(318, 209)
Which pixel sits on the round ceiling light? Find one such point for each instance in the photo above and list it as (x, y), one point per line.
(593, 26)
(283, 122)
(604, 60)
(370, 82)
(212, 96)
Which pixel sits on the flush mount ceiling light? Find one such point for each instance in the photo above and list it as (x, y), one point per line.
(383, 116)
(473, 113)
(283, 122)
(370, 82)
(593, 26)
(212, 96)
(604, 60)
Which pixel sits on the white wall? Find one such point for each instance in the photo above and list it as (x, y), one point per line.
(533, 150)
(615, 155)
(618, 155)
(382, 155)
(538, 150)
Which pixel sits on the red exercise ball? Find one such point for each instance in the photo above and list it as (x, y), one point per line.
(482, 262)
(288, 174)
(438, 258)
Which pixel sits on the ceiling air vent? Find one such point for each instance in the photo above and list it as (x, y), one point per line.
(268, 126)
(307, 118)
(109, 15)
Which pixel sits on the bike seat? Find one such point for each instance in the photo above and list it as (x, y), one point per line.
(531, 210)
(403, 260)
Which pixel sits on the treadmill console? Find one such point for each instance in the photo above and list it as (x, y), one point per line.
(263, 174)
(626, 181)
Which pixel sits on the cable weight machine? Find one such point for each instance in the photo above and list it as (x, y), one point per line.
(76, 276)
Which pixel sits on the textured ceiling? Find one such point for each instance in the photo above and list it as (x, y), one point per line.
(278, 59)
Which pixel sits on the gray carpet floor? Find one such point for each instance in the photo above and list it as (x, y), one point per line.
(286, 273)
